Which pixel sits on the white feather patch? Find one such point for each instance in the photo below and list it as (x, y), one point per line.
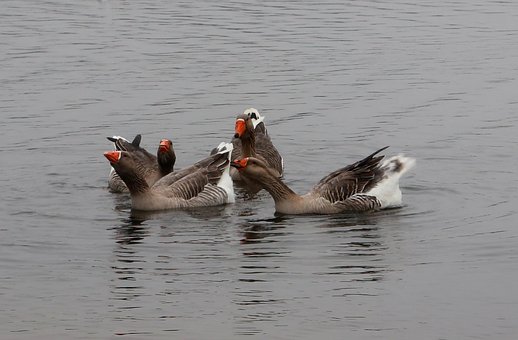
(387, 191)
(225, 182)
(255, 121)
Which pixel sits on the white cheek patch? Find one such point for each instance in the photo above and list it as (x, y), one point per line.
(250, 111)
(257, 121)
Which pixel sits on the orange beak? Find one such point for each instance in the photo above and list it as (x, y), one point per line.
(240, 164)
(240, 128)
(113, 156)
(165, 145)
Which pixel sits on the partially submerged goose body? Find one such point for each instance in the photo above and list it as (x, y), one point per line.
(367, 185)
(151, 167)
(206, 183)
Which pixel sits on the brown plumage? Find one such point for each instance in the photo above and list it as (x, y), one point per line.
(152, 167)
(251, 139)
(206, 183)
(369, 184)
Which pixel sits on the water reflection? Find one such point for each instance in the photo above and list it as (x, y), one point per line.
(279, 272)
(255, 297)
(122, 203)
(132, 231)
(263, 230)
(126, 288)
(358, 241)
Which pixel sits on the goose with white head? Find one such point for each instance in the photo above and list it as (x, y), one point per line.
(251, 139)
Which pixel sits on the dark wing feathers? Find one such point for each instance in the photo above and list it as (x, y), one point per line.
(353, 179)
(190, 182)
(358, 203)
(265, 148)
(209, 196)
(189, 186)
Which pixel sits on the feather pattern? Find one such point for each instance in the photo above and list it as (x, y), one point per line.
(255, 141)
(197, 185)
(356, 178)
(152, 167)
(369, 184)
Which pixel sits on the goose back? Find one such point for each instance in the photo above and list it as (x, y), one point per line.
(353, 179)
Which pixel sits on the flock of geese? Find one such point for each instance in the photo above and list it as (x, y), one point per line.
(251, 161)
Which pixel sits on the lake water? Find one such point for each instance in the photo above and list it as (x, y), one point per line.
(336, 81)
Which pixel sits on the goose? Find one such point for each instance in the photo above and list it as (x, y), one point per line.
(251, 139)
(153, 167)
(206, 183)
(367, 185)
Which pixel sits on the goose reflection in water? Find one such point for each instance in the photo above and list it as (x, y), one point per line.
(359, 240)
(255, 231)
(125, 287)
(132, 230)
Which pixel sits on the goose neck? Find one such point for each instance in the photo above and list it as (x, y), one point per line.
(248, 145)
(279, 190)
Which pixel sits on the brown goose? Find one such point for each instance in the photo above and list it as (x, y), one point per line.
(206, 183)
(251, 139)
(369, 184)
(153, 167)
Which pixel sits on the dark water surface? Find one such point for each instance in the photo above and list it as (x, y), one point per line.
(336, 80)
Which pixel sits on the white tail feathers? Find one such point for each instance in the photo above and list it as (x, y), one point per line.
(225, 182)
(387, 190)
(397, 165)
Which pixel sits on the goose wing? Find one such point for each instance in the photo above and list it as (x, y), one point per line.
(192, 181)
(350, 182)
(265, 148)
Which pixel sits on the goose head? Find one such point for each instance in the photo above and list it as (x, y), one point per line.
(165, 146)
(254, 116)
(127, 164)
(253, 168)
(166, 156)
(244, 126)
(247, 122)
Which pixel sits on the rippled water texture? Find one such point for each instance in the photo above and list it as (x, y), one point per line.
(336, 81)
